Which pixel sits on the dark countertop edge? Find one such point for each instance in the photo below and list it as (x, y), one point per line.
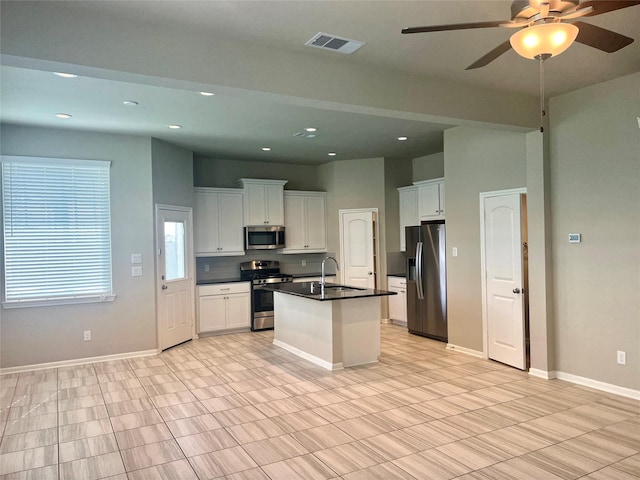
(401, 275)
(220, 280)
(311, 275)
(356, 294)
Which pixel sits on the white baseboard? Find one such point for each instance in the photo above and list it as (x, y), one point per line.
(597, 385)
(78, 361)
(398, 322)
(465, 350)
(308, 356)
(534, 372)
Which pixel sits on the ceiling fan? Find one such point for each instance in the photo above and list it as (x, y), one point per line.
(544, 30)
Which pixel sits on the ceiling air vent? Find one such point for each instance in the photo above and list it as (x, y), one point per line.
(333, 43)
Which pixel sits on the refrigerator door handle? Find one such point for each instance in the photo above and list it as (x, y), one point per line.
(419, 271)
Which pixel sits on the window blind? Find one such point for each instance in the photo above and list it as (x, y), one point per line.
(57, 229)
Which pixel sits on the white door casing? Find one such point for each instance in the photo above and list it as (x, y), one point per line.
(357, 230)
(503, 279)
(175, 314)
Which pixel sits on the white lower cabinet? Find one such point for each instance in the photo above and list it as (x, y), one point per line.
(224, 306)
(398, 303)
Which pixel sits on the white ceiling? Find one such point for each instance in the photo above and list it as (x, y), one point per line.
(234, 127)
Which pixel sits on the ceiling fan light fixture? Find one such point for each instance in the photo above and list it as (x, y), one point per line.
(543, 40)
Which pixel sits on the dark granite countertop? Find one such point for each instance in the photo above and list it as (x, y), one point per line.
(332, 291)
(401, 275)
(311, 275)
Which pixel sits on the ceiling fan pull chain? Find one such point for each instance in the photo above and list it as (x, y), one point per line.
(542, 111)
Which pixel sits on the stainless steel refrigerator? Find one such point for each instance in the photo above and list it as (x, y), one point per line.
(427, 280)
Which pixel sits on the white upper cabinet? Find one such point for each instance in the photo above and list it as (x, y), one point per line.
(305, 222)
(217, 222)
(263, 201)
(431, 199)
(408, 211)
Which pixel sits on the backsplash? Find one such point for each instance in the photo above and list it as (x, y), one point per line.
(396, 262)
(229, 267)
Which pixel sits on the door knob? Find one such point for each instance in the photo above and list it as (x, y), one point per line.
(370, 273)
(164, 287)
(516, 290)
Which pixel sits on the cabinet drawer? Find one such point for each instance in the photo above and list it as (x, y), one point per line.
(397, 282)
(224, 288)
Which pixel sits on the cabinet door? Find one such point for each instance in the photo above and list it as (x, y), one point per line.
(238, 310)
(211, 313)
(441, 193)
(408, 213)
(429, 201)
(295, 221)
(255, 204)
(316, 223)
(205, 223)
(274, 204)
(230, 228)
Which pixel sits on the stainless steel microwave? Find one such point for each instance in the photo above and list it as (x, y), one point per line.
(263, 238)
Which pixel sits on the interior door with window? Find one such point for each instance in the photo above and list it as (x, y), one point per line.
(175, 282)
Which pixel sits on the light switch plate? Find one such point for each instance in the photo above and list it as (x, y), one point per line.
(136, 271)
(136, 258)
(454, 251)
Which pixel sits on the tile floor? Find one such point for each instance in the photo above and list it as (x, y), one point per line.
(237, 407)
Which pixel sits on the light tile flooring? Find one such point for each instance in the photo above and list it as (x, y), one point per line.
(237, 407)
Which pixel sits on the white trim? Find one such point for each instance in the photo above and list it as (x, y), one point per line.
(78, 361)
(465, 350)
(598, 385)
(308, 356)
(51, 302)
(483, 268)
(546, 375)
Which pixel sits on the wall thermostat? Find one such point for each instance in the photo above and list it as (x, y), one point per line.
(574, 238)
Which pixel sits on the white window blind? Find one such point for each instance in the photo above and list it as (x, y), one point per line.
(57, 230)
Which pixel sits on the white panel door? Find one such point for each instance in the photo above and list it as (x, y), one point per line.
(255, 208)
(274, 205)
(238, 310)
(205, 220)
(429, 201)
(357, 248)
(504, 280)
(175, 295)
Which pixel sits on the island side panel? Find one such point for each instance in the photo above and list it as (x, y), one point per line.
(357, 322)
(305, 327)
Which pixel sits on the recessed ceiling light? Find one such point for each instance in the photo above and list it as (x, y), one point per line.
(206, 94)
(63, 115)
(311, 129)
(332, 154)
(266, 149)
(175, 127)
(130, 103)
(402, 139)
(65, 75)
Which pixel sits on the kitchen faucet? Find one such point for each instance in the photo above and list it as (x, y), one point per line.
(322, 281)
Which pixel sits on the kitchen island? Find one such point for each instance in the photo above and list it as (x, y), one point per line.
(334, 327)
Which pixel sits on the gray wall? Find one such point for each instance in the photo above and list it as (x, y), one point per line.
(172, 171)
(428, 167)
(475, 160)
(595, 191)
(46, 334)
(212, 172)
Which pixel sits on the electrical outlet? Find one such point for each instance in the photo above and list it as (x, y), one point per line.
(304, 263)
(206, 267)
(622, 357)
(87, 335)
(454, 251)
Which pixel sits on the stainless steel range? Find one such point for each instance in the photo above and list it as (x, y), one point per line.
(261, 273)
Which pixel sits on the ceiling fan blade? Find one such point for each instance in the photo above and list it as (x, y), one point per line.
(491, 56)
(604, 6)
(455, 26)
(601, 38)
